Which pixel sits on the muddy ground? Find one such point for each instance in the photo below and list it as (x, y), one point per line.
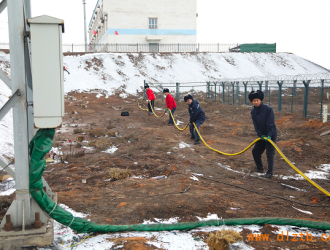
(144, 143)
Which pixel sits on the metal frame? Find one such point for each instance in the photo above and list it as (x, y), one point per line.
(23, 208)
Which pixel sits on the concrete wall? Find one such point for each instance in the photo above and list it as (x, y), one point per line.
(130, 18)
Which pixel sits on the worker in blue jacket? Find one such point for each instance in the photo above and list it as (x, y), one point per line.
(264, 124)
(197, 116)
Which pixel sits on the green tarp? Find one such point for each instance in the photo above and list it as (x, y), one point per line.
(258, 47)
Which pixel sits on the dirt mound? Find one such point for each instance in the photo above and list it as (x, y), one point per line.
(285, 121)
(313, 124)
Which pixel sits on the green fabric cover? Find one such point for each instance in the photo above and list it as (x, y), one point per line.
(40, 146)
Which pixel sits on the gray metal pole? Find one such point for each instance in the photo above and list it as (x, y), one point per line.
(16, 23)
(322, 92)
(84, 3)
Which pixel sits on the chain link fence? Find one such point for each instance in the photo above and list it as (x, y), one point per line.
(304, 96)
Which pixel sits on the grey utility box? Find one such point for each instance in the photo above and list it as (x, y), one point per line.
(47, 70)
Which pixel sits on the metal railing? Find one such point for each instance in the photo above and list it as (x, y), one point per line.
(145, 47)
(304, 96)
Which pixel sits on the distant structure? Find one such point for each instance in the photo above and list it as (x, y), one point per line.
(143, 22)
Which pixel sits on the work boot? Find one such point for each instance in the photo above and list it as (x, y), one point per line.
(197, 142)
(170, 124)
(193, 137)
(151, 113)
(259, 170)
(267, 175)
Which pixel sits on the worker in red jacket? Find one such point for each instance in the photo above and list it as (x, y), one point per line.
(151, 97)
(171, 105)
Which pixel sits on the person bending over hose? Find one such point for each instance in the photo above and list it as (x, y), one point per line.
(264, 124)
(151, 97)
(170, 104)
(197, 116)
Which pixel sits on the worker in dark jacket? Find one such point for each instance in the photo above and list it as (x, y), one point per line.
(197, 116)
(170, 104)
(264, 124)
(151, 99)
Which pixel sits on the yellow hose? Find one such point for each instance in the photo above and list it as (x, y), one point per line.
(181, 129)
(278, 150)
(299, 172)
(154, 111)
(140, 106)
(223, 152)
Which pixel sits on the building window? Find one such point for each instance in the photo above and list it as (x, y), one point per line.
(152, 23)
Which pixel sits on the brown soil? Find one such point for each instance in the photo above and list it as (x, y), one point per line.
(143, 143)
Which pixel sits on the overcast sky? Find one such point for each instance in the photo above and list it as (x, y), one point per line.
(297, 26)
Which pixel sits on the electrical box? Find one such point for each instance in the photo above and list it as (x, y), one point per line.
(47, 70)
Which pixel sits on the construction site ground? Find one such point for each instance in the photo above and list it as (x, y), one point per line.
(148, 147)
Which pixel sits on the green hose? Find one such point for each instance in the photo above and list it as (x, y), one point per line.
(40, 146)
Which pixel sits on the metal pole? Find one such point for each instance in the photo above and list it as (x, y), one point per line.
(223, 92)
(16, 21)
(269, 95)
(260, 85)
(266, 88)
(306, 83)
(233, 91)
(215, 91)
(294, 88)
(322, 92)
(292, 101)
(177, 91)
(245, 92)
(85, 30)
(279, 95)
(208, 90)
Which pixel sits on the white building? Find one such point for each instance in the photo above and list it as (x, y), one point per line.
(144, 24)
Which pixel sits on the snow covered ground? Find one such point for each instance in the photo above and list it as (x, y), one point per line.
(184, 240)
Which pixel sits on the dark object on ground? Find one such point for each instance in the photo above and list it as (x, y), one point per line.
(124, 113)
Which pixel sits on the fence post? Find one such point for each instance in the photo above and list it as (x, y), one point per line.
(294, 93)
(233, 90)
(245, 92)
(218, 48)
(144, 90)
(198, 47)
(237, 90)
(322, 92)
(269, 95)
(215, 91)
(177, 95)
(260, 85)
(266, 88)
(137, 47)
(280, 83)
(306, 83)
(208, 90)
(223, 92)
(292, 101)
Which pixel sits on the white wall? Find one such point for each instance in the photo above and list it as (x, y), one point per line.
(134, 14)
(130, 18)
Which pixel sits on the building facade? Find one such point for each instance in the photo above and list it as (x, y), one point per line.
(146, 22)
